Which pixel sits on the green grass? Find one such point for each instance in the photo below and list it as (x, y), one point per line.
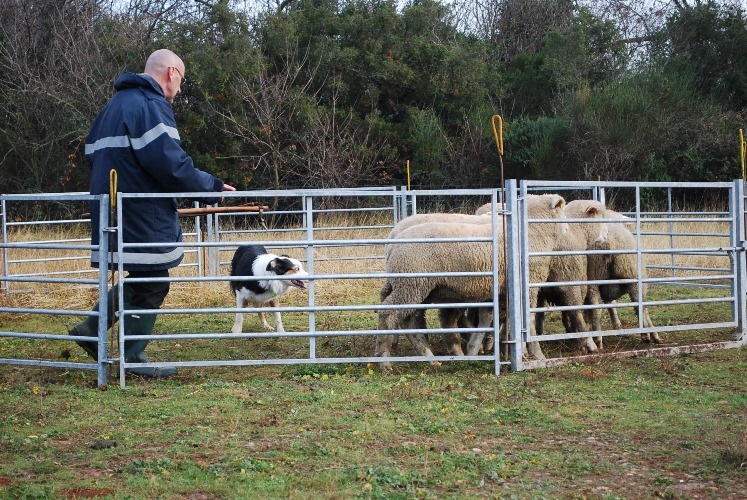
(672, 427)
(639, 428)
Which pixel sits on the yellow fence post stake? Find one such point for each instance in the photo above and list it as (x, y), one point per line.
(742, 150)
(497, 123)
(112, 246)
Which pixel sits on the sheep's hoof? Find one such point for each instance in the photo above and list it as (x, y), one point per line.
(386, 367)
(590, 346)
(456, 351)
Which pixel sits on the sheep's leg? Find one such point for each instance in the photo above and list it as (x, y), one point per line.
(567, 322)
(654, 336)
(476, 339)
(649, 324)
(539, 317)
(422, 346)
(449, 318)
(383, 350)
(489, 342)
(383, 346)
(238, 324)
(533, 348)
(614, 318)
(574, 321)
(395, 318)
(593, 316)
(469, 319)
(578, 324)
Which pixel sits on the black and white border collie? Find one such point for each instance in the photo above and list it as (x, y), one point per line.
(253, 260)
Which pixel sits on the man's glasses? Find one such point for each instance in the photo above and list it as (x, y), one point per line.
(184, 80)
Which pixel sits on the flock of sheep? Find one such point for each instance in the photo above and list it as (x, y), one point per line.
(439, 257)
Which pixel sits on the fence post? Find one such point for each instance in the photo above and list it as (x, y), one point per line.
(514, 314)
(307, 202)
(739, 208)
(105, 230)
(4, 285)
(498, 232)
(200, 250)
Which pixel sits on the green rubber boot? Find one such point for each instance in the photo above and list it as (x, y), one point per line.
(89, 327)
(141, 324)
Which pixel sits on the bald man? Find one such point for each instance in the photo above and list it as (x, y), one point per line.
(136, 135)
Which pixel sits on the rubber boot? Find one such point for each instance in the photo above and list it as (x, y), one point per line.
(141, 324)
(89, 327)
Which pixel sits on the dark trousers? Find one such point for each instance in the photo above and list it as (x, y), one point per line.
(147, 295)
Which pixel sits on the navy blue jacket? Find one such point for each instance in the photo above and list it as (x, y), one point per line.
(136, 134)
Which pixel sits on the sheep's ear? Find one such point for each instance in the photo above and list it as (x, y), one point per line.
(557, 201)
(592, 211)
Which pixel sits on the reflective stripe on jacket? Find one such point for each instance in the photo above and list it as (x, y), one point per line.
(136, 135)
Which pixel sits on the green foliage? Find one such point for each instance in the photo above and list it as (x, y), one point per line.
(534, 148)
(325, 94)
(649, 127)
(588, 52)
(428, 145)
(709, 41)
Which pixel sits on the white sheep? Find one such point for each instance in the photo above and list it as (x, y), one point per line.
(459, 256)
(449, 318)
(617, 266)
(573, 268)
(415, 219)
(488, 207)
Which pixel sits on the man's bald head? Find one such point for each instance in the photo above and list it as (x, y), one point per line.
(168, 70)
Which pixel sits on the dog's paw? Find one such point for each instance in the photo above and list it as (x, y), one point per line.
(267, 327)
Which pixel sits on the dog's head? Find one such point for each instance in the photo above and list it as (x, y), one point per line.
(284, 265)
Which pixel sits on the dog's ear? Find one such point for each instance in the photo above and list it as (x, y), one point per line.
(272, 265)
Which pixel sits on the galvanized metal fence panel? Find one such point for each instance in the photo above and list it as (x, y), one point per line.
(723, 253)
(45, 281)
(307, 240)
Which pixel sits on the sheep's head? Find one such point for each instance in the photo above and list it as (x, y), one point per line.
(601, 230)
(557, 204)
(548, 206)
(586, 211)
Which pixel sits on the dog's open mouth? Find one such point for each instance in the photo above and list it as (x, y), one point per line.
(298, 284)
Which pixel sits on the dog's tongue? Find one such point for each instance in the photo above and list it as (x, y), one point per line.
(298, 283)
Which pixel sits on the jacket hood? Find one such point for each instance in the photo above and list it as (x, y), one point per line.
(130, 80)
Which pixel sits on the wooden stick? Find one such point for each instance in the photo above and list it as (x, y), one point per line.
(194, 212)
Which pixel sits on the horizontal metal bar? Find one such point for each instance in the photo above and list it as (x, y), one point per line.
(652, 352)
(51, 364)
(322, 360)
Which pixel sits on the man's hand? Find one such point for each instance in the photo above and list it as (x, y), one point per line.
(228, 187)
